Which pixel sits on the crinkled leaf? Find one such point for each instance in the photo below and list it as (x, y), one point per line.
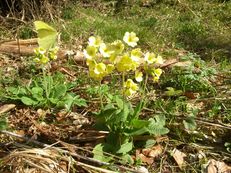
(79, 101)
(59, 90)
(37, 93)
(127, 159)
(190, 123)
(99, 154)
(125, 148)
(122, 116)
(28, 101)
(119, 102)
(156, 126)
(66, 102)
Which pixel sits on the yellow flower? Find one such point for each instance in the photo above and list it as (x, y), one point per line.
(117, 46)
(138, 76)
(37, 60)
(95, 41)
(156, 78)
(126, 64)
(130, 87)
(44, 59)
(54, 50)
(150, 57)
(158, 72)
(39, 51)
(131, 39)
(110, 68)
(91, 63)
(90, 52)
(136, 54)
(105, 50)
(159, 59)
(100, 68)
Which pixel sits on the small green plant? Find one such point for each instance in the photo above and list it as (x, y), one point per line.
(3, 123)
(118, 116)
(193, 77)
(49, 90)
(46, 92)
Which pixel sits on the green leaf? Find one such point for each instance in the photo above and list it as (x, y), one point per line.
(37, 93)
(99, 153)
(156, 126)
(138, 109)
(125, 148)
(172, 92)
(127, 159)
(28, 101)
(139, 123)
(55, 101)
(139, 127)
(123, 115)
(12, 90)
(3, 124)
(119, 102)
(59, 91)
(136, 132)
(190, 123)
(149, 143)
(47, 36)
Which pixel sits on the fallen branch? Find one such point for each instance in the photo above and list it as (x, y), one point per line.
(73, 154)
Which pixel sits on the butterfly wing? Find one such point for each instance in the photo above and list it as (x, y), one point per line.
(47, 36)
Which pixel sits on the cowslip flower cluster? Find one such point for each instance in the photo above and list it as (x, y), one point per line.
(42, 56)
(103, 58)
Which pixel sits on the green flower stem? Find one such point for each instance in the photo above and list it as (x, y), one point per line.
(123, 90)
(45, 83)
(143, 99)
(145, 85)
(100, 95)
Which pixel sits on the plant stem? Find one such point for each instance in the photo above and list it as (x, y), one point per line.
(143, 100)
(100, 95)
(123, 81)
(45, 83)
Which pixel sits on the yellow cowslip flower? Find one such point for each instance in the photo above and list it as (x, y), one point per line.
(156, 78)
(54, 50)
(150, 58)
(100, 68)
(130, 87)
(126, 64)
(90, 52)
(52, 55)
(138, 76)
(39, 51)
(159, 59)
(95, 41)
(117, 46)
(106, 50)
(110, 68)
(91, 63)
(130, 39)
(44, 59)
(136, 54)
(158, 72)
(113, 58)
(95, 76)
(37, 60)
